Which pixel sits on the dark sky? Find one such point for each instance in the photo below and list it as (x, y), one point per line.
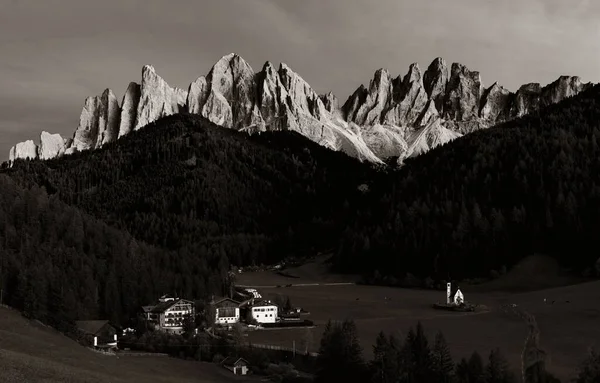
(55, 53)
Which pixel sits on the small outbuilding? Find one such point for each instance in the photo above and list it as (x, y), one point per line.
(239, 366)
(99, 333)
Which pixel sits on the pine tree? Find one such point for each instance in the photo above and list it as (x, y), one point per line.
(417, 354)
(443, 366)
(497, 370)
(590, 368)
(462, 371)
(476, 373)
(380, 352)
(340, 355)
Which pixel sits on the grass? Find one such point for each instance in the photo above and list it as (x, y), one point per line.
(567, 329)
(31, 352)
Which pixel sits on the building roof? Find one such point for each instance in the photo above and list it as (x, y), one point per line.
(91, 326)
(262, 303)
(233, 361)
(163, 306)
(218, 300)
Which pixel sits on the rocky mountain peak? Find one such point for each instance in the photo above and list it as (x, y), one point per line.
(463, 94)
(495, 101)
(563, 87)
(51, 145)
(129, 106)
(413, 75)
(26, 150)
(157, 98)
(435, 80)
(98, 123)
(330, 102)
(394, 116)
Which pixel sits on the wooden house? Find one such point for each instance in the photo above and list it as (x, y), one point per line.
(239, 366)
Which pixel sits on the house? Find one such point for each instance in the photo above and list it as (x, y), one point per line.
(98, 333)
(169, 314)
(238, 366)
(264, 311)
(227, 311)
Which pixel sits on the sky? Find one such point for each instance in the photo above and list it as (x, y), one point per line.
(55, 53)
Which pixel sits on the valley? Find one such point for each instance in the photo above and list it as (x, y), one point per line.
(567, 321)
(409, 194)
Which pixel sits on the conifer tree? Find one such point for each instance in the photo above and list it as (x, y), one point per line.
(476, 369)
(497, 370)
(589, 371)
(443, 366)
(340, 355)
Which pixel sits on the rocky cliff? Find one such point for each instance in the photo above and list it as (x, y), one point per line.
(398, 116)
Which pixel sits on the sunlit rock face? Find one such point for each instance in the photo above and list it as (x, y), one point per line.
(395, 116)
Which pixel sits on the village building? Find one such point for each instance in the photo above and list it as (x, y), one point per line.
(169, 314)
(99, 334)
(455, 297)
(264, 311)
(227, 311)
(238, 366)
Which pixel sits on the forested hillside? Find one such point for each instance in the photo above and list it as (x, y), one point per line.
(58, 264)
(489, 199)
(183, 182)
(462, 210)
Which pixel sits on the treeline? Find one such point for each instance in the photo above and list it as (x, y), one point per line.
(60, 265)
(416, 360)
(184, 182)
(466, 209)
(486, 200)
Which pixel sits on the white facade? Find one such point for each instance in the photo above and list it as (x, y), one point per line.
(265, 313)
(459, 298)
(224, 315)
(175, 316)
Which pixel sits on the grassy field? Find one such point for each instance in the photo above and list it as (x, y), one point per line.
(30, 352)
(567, 329)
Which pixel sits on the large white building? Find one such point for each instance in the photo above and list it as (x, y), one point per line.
(264, 312)
(169, 314)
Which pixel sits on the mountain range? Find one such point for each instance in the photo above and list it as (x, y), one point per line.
(394, 117)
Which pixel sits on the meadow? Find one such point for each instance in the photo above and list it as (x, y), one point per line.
(32, 352)
(568, 320)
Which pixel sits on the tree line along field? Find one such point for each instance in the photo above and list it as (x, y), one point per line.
(567, 329)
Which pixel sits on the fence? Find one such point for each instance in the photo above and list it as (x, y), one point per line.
(103, 352)
(133, 353)
(281, 348)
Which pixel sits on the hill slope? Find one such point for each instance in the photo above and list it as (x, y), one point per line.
(60, 265)
(184, 183)
(464, 209)
(30, 352)
(489, 199)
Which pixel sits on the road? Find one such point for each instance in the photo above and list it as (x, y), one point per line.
(296, 285)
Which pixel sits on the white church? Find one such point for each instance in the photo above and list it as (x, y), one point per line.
(458, 298)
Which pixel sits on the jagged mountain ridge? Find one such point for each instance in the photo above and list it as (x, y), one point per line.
(393, 117)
